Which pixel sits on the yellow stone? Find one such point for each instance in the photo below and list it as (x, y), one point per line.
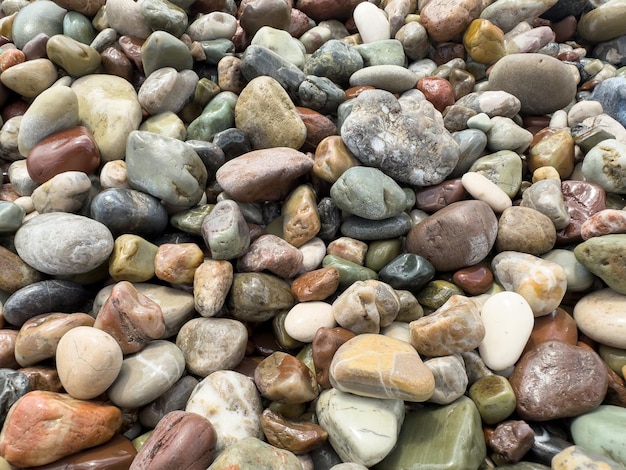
(301, 222)
(378, 366)
(76, 58)
(332, 159)
(30, 78)
(132, 259)
(553, 147)
(546, 173)
(576, 458)
(484, 41)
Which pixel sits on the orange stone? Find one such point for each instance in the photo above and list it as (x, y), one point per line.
(315, 285)
(557, 325)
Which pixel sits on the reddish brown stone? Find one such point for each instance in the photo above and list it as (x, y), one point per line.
(115, 62)
(433, 198)
(284, 378)
(71, 149)
(130, 317)
(565, 29)
(299, 437)
(271, 253)
(512, 439)
(315, 285)
(180, 440)
(474, 280)
(445, 52)
(535, 124)
(42, 427)
(300, 23)
(355, 91)
(15, 273)
(557, 325)
(569, 56)
(15, 108)
(320, 10)
(324, 346)
(318, 127)
(11, 57)
(43, 378)
(582, 199)
(131, 46)
(8, 339)
(438, 91)
(558, 380)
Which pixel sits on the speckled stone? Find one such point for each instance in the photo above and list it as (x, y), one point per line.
(335, 60)
(251, 452)
(545, 196)
(525, 230)
(581, 457)
(600, 254)
(256, 297)
(301, 222)
(66, 192)
(445, 19)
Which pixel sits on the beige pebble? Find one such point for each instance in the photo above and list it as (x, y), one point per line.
(483, 189)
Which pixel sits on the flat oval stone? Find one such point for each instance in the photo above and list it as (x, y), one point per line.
(460, 235)
(263, 175)
(212, 344)
(231, 402)
(514, 73)
(315, 285)
(46, 17)
(599, 316)
(43, 297)
(392, 78)
(284, 378)
(117, 114)
(381, 367)
(372, 23)
(542, 396)
(599, 255)
(213, 25)
(145, 375)
(125, 210)
(508, 321)
(76, 58)
(88, 361)
(367, 229)
(62, 244)
(30, 78)
(598, 431)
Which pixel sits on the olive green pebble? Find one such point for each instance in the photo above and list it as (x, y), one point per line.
(280, 334)
(349, 272)
(382, 252)
(615, 358)
(436, 293)
(494, 398)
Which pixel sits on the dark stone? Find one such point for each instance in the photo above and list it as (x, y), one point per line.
(365, 229)
(13, 385)
(233, 142)
(211, 155)
(320, 94)
(582, 199)
(433, 198)
(611, 94)
(334, 60)
(547, 444)
(407, 272)
(44, 297)
(258, 60)
(125, 210)
(330, 219)
(325, 457)
(564, 8)
(512, 439)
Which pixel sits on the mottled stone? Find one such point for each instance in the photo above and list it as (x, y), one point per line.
(581, 457)
(445, 19)
(552, 147)
(15, 272)
(484, 41)
(297, 436)
(494, 397)
(349, 249)
(283, 378)
(65, 192)
(301, 221)
(381, 125)
(542, 396)
(525, 230)
(76, 58)
(161, 49)
(176, 263)
(604, 165)
(166, 89)
(33, 433)
(256, 297)
(605, 222)
(324, 345)
(251, 452)
(601, 255)
(259, 61)
(335, 60)
(450, 378)
(545, 196)
(512, 439)
(217, 116)
(582, 199)
(453, 328)
(132, 259)
(212, 281)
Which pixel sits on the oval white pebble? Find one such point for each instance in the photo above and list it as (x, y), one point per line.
(304, 319)
(371, 22)
(313, 253)
(483, 189)
(508, 321)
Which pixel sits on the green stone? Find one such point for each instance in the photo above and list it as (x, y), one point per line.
(385, 52)
(206, 90)
(615, 358)
(217, 116)
(132, 259)
(349, 272)
(410, 308)
(217, 49)
(167, 124)
(161, 49)
(162, 15)
(280, 334)
(288, 410)
(602, 431)
(382, 252)
(190, 221)
(603, 256)
(439, 438)
(78, 27)
(11, 217)
(587, 138)
(494, 398)
(76, 58)
(257, 297)
(343, 111)
(436, 293)
(306, 357)
(140, 440)
(275, 227)
(504, 168)
(621, 72)
(408, 271)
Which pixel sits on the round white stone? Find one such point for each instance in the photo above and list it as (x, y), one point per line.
(508, 321)
(304, 319)
(483, 189)
(313, 253)
(371, 22)
(601, 315)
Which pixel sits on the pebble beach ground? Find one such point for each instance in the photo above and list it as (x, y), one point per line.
(313, 234)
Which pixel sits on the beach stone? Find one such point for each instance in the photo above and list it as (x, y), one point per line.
(392, 78)
(484, 41)
(166, 89)
(166, 16)
(457, 236)
(301, 221)
(505, 134)
(348, 249)
(317, 125)
(33, 432)
(252, 452)
(16, 273)
(324, 96)
(143, 148)
(378, 366)
(297, 436)
(130, 317)
(14, 386)
(376, 111)
(38, 337)
(382, 52)
(492, 103)
(512, 439)
(11, 217)
(602, 23)
(225, 231)
(166, 445)
(212, 344)
(594, 431)
(438, 91)
(46, 18)
(212, 281)
(494, 398)
(132, 259)
(217, 116)
(453, 328)
(371, 23)
(324, 346)
(450, 378)
(581, 457)
(433, 198)
(599, 255)
(557, 325)
(545, 196)
(283, 378)
(437, 292)
(604, 165)
(282, 128)
(8, 139)
(552, 147)
(366, 306)
(118, 112)
(360, 429)
(446, 19)
(408, 272)
(43, 297)
(582, 199)
(605, 222)
(510, 74)
(269, 252)
(599, 317)
(611, 97)
(315, 285)
(256, 297)
(231, 402)
(520, 272)
(334, 60)
(414, 39)
(508, 15)
(259, 61)
(125, 16)
(30, 78)
(175, 398)
(76, 58)
(266, 174)
(474, 280)
(65, 192)
(304, 319)
(382, 252)
(542, 397)
(332, 159)
(88, 361)
(213, 25)
(281, 42)
(508, 321)
(525, 230)
(456, 428)
(146, 375)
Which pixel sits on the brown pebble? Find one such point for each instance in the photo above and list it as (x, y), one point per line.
(558, 325)
(582, 199)
(177, 262)
(324, 346)
(115, 62)
(315, 285)
(436, 197)
(297, 436)
(318, 127)
(44, 378)
(438, 91)
(284, 378)
(131, 46)
(565, 29)
(7, 349)
(512, 440)
(474, 280)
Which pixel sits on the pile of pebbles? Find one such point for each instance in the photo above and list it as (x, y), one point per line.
(314, 234)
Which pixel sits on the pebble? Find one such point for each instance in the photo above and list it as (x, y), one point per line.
(450, 379)
(512, 439)
(250, 452)
(167, 89)
(545, 196)
(598, 255)
(367, 229)
(30, 78)
(597, 431)
(599, 317)
(607, 155)
(305, 318)
(256, 297)
(225, 231)
(581, 458)
(494, 398)
(602, 23)
(525, 230)
(301, 222)
(371, 23)
(66, 192)
(482, 189)
(132, 259)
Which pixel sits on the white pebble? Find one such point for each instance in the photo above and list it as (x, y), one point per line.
(483, 189)
(371, 22)
(508, 321)
(113, 175)
(582, 110)
(313, 253)
(398, 330)
(481, 121)
(559, 119)
(304, 319)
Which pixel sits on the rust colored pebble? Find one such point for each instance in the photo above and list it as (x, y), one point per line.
(438, 91)
(318, 127)
(11, 57)
(315, 285)
(474, 280)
